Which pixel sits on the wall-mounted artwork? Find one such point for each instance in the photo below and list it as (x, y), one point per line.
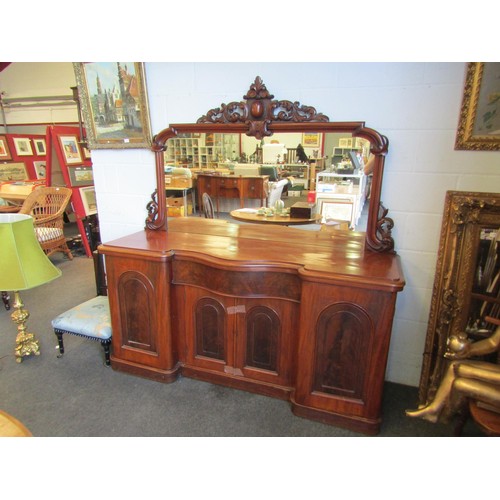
(310, 140)
(114, 104)
(40, 169)
(71, 149)
(4, 149)
(40, 147)
(23, 146)
(13, 172)
(479, 124)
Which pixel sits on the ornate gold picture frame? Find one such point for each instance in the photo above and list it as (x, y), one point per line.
(467, 281)
(114, 104)
(479, 124)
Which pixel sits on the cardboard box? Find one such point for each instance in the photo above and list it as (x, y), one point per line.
(178, 181)
(175, 211)
(177, 201)
(303, 210)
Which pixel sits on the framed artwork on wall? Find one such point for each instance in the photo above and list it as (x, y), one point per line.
(40, 148)
(310, 139)
(40, 169)
(81, 176)
(89, 200)
(13, 172)
(71, 149)
(4, 149)
(114, 104)
(23, 146)
(479, 123)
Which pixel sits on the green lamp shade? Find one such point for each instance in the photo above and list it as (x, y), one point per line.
(23, 264)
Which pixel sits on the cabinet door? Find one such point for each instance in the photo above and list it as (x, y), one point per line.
(344, 340)
(252, 338)
(209, 342)
(265, 331)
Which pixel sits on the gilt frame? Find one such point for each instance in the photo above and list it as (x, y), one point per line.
(114, 104)
(479, 123)
(465, 215)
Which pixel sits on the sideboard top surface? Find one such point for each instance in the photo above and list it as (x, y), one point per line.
(338, 255)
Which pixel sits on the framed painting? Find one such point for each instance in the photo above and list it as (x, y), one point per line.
(310, 140)
(4, 149)
(114, 104)
(40, 169)
(479, 123)
(13, 172)
(23, 146)
(89, 200)
(40, 148)
(81, 176)
(71, 149)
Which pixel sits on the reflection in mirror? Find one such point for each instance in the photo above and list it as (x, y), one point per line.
(486, 284)
(327, 167)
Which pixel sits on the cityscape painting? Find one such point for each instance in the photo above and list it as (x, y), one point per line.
(114, 104)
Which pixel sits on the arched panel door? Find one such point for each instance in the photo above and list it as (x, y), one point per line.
(342, 343)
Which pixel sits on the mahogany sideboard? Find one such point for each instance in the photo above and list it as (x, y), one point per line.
(232, 186)
(305, 316)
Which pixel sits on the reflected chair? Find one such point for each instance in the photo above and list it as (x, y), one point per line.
(208, 206)
(47, 205)
(271, 171)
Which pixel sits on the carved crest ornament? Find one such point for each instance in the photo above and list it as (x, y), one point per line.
(259, 116)
(260, 110)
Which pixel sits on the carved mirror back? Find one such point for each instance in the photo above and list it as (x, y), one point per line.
(260, 116)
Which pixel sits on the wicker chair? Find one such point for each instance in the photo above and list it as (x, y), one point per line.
(46, 205)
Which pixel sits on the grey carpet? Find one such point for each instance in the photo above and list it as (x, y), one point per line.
(77, 395)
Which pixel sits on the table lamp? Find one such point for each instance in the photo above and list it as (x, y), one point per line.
(23, 265)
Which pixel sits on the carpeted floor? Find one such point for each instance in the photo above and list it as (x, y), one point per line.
(76, 395)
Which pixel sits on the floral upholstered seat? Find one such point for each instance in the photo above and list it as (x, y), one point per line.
(91, 319)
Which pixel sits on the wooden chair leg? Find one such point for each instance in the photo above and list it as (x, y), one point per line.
(59, 336)
(106, 344)
(462, 418)
(6, 300)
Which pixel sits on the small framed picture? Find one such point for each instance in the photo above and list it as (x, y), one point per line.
(81, 176)
(345, 142)
(71, 149)
(89, 200)
(23, 146)
(40, 148)
(337, 209)
(86, 153)
(40, 168)
(4, 149)
(310, 139)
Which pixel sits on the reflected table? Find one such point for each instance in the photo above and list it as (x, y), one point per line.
(251, 215)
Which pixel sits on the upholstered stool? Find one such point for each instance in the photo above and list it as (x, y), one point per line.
(90, 319)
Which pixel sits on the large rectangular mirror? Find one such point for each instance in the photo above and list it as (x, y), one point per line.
(330, 165)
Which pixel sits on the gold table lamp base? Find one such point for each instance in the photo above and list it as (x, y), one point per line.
(26, 343)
